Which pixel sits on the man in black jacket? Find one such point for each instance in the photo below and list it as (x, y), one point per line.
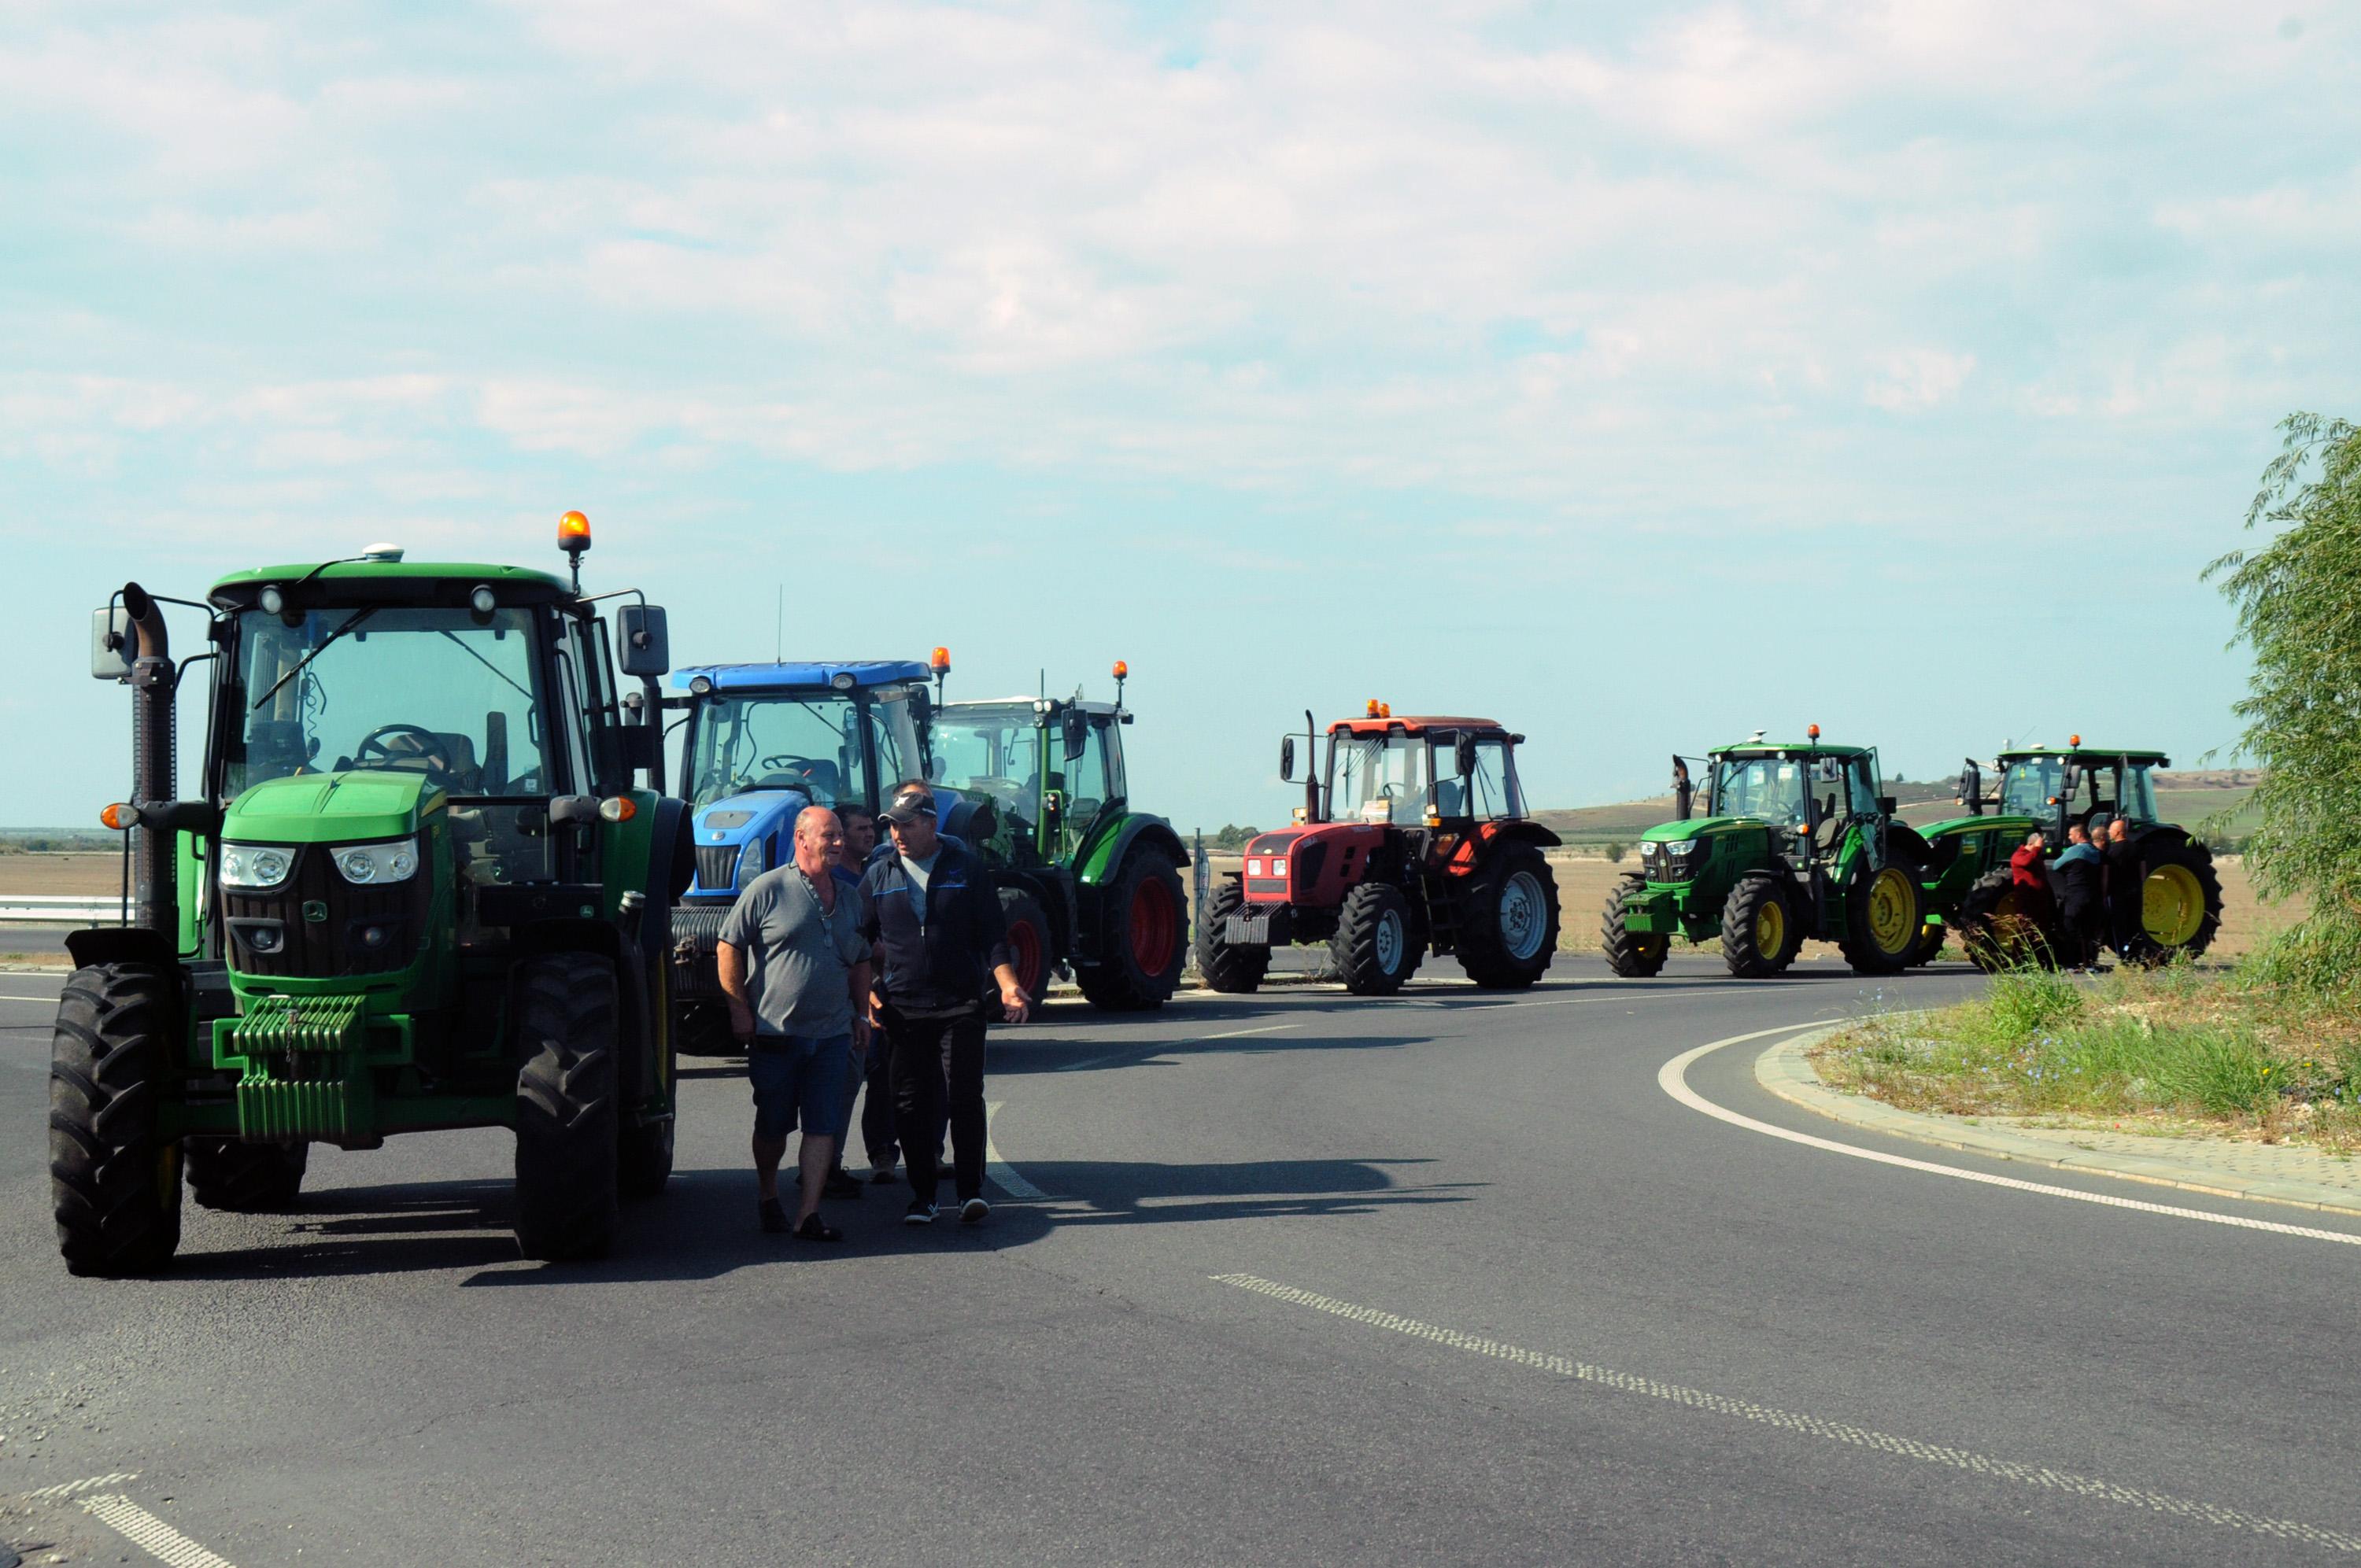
(934, 914)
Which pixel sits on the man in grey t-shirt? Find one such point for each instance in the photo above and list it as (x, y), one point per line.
(796, 969)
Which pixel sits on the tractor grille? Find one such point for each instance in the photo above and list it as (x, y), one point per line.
(1265, 887)
(1657, 864)
(717, 866)
(317, 926)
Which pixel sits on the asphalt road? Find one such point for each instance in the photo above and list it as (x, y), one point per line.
(1448, 1277)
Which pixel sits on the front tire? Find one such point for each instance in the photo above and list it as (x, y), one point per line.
(246, 1179)
(1882, 919)
(1632, 955)
(1760, 936)
(114, 1180)
(1510, 936)
(1142, 938)
(566, 1154)
(1376, 947)
(1236, 968)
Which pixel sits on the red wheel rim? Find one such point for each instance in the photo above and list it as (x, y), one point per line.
(1025, 941)
(1154, 927)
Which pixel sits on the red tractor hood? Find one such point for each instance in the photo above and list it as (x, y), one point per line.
(1313, 866)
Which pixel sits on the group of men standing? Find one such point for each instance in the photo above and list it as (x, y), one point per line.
(2100, 882)
(851, 965)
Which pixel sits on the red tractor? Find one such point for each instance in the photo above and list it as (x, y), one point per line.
(1412, 838)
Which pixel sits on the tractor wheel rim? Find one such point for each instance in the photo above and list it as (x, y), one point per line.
(2172, 906)
(1024, 938)
(1154, 927)
(1523, 920)
(1890, 911)
(1389, 942)
(1770, 928)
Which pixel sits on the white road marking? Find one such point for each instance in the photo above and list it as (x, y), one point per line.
(1003, 1175)
(1810, 1426)
(68, 1488)
(151, 1534)
(1672, 1077)
(1159, 1046)
(44, 1001)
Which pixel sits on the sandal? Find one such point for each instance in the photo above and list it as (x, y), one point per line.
(816, 1229)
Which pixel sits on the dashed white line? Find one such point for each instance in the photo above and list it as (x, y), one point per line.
(1673, 1079)
(1810, 1426)
(1002, 1174)
(151, 1534)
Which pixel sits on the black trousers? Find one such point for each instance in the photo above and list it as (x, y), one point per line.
(877, 1111)
(936, 1054)
(2081, 920)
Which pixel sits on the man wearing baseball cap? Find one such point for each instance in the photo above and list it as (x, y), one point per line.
(932, 911)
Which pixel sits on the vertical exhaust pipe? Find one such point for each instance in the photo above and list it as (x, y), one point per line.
(154, 779)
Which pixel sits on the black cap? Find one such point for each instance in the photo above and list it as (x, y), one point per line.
(909, 806)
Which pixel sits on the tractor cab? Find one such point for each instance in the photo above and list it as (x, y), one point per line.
(2089, 786)
(1027, 780)
(1413, 773)
(765, 741)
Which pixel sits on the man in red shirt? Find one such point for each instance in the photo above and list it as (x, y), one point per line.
(2030, 875)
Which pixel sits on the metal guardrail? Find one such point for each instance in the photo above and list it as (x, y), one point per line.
(49, 909)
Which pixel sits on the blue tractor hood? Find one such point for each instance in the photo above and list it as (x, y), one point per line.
(724, 829)
(824, 674)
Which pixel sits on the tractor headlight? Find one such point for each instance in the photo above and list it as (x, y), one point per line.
(752, 862)
(373, 864)
(1682, 850)
(255, 867)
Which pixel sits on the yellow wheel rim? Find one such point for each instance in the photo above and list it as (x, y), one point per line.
(1893, 913)
(1769, 929)
(2172, 906)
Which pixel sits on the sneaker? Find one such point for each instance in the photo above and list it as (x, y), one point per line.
(774, 1216)
(841, 1184)
(882, 1175)
(973, 1211)
(920, 1212)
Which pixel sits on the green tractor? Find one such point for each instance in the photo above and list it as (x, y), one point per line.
(416, 887)
(1967, 882)
(1090, 885)
(1796, 841)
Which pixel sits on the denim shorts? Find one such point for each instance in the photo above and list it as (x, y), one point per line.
(799, 1073)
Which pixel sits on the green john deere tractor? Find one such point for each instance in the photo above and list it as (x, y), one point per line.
(1967, 882)
(1038, 789)
(415, 887)
(1796, 842)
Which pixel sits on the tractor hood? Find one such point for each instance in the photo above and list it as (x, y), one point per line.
(1700, 827)
(331, 808)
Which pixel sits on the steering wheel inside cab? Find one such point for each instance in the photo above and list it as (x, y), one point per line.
(782, 771)
(405, 746)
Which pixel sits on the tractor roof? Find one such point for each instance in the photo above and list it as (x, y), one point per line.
(2098, 753)
(822, 674)
(1003, 704)
(357, 578)
(1789, 749)
(1414, 724)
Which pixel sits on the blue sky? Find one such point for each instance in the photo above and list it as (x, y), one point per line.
(1643, 376)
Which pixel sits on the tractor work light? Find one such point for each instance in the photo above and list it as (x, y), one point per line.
(255, 867)
(701, 686)
(1812, 731)
(841, 680)
(272, 601)
(2075, 740)
(395, 861)
(1122, 670)
(119, 817)
(482, 600)
(1372, 712)
(618, 808)
(940, 662)
(574, 533)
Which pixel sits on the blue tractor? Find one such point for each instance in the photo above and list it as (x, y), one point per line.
(765, 741)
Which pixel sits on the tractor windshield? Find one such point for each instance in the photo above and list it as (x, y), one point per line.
(2030, 785)
(991, 752)
(810, 741)
(1379, 778)
(442, 692)
(2102, 787)
(1771, 788)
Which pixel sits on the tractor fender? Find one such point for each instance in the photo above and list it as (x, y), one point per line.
(122, 945)
(635, 1033)
(1105, 857)
(1516, 830)
(1906, 846)
(2162, 834)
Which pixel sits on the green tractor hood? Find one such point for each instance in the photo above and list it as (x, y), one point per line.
(1697, 828)
(331, 808)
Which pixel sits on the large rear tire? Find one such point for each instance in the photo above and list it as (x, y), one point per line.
(114, 1180)
(1234, 968)
(2181, 902)
(1883, 916)
(1376, 945)
(1143, 936)
(243, 1178)
(2000, 930)
(566, 1153)
(1632, 955)
(1509, 934)
(1760, 936)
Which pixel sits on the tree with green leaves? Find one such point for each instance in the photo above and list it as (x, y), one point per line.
(2298, 603)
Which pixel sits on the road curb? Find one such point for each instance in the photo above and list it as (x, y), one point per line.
(1783, 1071)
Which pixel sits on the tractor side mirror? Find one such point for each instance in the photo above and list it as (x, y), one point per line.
(1076, 725)
(1464, 754)
(647, 647)
(1888, 806)
(1287, 758)
(111, 644)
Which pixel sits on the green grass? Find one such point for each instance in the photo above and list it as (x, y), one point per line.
(2270, 1049)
